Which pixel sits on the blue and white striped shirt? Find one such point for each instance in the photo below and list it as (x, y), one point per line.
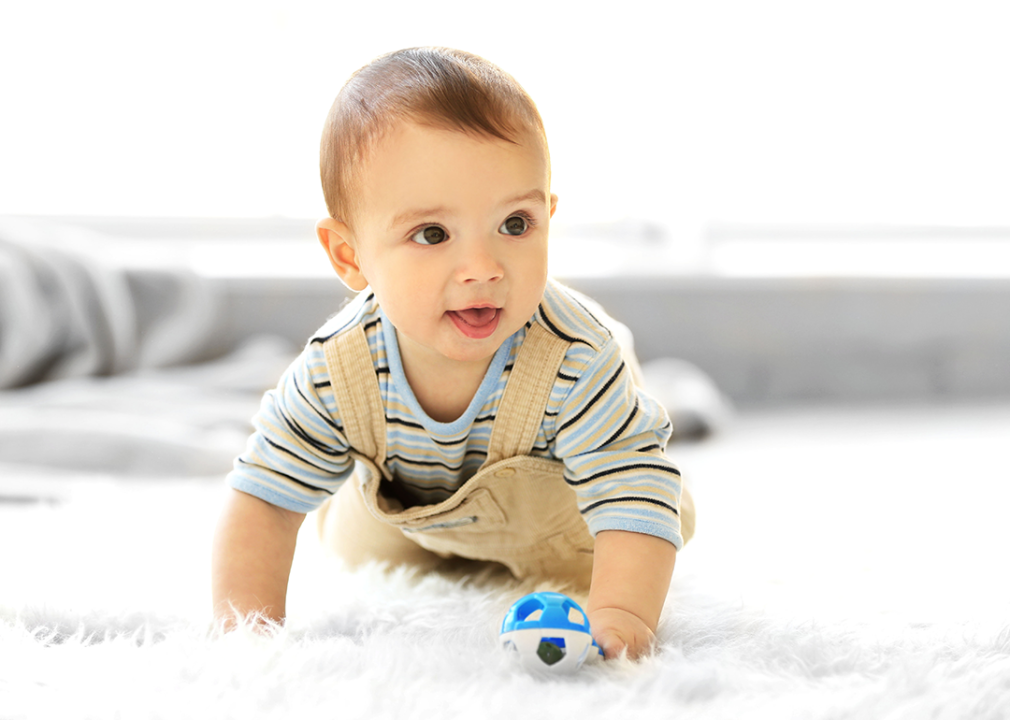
(609, 435)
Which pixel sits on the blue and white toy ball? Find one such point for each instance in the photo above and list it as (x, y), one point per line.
(550, 633)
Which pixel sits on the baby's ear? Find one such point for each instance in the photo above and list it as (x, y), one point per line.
(335, 237)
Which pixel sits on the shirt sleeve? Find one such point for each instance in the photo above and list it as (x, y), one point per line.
(297, 456)
(611, 436)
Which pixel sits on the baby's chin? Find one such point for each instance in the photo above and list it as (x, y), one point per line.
(465, 349)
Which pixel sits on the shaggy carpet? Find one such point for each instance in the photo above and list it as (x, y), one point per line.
(846, 566)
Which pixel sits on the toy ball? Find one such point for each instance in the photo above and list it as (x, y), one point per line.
(549, 632)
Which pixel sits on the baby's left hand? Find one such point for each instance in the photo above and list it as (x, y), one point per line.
(616, 630)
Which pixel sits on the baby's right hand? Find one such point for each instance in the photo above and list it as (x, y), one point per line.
(617, 631)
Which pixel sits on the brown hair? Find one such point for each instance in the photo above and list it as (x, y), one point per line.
(444, 88)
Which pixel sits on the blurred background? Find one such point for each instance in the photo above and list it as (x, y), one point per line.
(807, 200)
(800, 208)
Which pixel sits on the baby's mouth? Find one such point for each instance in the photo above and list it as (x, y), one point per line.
(477, 317)
(476, 322)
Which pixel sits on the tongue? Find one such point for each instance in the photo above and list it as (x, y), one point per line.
(477, 316)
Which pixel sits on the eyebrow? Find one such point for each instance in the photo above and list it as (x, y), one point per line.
(409, 216)
(536, 194)
(413, 215)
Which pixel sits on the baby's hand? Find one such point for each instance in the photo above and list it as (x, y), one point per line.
(616, 630)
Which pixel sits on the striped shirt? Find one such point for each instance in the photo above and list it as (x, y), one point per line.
(609, 435)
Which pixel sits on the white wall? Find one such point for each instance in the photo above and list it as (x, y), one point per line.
(686, 114)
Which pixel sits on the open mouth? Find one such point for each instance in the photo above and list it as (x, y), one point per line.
(476, 322)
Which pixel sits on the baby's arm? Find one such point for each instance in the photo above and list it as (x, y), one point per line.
(251, 561)
(631, 577)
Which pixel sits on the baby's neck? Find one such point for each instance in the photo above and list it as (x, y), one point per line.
(444, 394)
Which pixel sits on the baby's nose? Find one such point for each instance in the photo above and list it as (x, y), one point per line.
(479, 263)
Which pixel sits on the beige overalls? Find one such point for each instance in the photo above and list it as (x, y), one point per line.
(517, 509)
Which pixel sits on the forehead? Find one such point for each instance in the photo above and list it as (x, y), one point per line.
(414, 164)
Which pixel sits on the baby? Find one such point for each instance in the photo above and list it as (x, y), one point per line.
(463, 404)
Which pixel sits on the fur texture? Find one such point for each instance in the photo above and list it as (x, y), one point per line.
(115, 625)
(795, 600)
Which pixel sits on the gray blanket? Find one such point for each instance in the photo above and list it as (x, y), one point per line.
(93, 364)
(67, 309)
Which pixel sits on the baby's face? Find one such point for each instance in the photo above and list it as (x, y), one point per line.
(451, 235)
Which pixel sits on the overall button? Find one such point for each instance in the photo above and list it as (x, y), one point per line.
(505, 472)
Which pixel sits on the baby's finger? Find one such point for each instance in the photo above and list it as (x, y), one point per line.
(611, 645)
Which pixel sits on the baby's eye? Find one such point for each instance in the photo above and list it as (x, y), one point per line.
(431, 235)
(515, 225)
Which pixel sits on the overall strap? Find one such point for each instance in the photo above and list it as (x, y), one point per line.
(356, 388)
(521, 411)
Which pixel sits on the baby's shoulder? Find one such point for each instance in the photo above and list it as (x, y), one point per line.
(362, 309)
(575, 318)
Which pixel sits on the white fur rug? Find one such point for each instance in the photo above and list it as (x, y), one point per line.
(847, 565)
